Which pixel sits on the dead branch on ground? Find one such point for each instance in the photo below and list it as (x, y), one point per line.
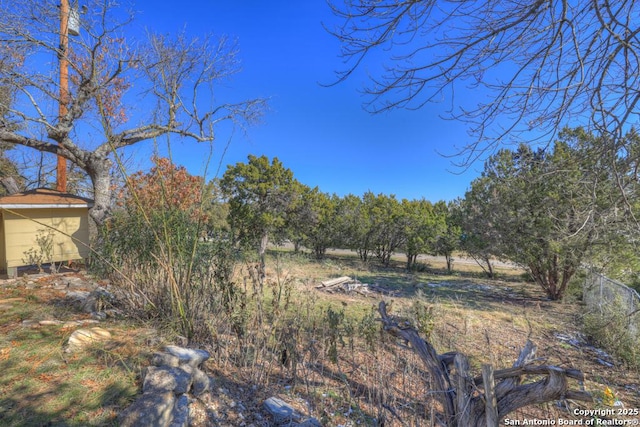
(466, 401)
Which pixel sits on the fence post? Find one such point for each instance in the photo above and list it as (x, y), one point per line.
(491, 404)
(464, 390)
(601, 296)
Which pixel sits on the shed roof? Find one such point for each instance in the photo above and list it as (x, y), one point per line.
(43, 198)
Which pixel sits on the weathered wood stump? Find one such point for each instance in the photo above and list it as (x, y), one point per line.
(483, 401)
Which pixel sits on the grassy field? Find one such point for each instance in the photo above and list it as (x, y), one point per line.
(323, 353)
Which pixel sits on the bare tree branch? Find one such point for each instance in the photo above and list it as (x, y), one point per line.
(455, 389)
(543, 65)
(176, 76)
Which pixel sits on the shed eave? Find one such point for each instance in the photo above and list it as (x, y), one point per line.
(46, 206)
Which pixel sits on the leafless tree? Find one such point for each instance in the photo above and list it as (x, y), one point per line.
(544, 64)
(173, 77)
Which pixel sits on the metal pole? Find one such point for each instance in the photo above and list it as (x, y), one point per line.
(601, 302)
(61, 170)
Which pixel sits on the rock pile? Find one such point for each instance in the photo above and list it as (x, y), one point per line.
(175, 379)
(167, 384)
(176, 392)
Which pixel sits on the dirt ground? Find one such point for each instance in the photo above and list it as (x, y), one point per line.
(489, 321)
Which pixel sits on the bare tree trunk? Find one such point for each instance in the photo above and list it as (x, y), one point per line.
(410, 261)
(454, 387)
(484, 262)
(363, 254)
(320, 251)
(490, 271)
(99, 169)
(10, 184)
(551, 280)
(449, 259)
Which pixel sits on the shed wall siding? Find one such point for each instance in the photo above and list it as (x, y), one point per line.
(21, 233)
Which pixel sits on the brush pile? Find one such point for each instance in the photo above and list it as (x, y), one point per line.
(348, 285)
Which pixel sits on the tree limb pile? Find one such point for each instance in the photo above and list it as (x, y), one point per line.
(347, 285)
(485, 400)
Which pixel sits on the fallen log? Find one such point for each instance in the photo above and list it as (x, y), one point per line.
(335, 282)
(504, 391)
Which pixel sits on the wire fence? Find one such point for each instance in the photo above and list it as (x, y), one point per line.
(602, 293)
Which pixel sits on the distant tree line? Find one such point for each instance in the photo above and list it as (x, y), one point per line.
(266, 203)
(550, 210)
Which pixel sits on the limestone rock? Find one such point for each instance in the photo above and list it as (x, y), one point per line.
(53, 322)
(285, 414)
(165, 359)
(165, 399)
(29, 323)
(181, 412)
(72, 282)
(166, 378)
(78, 295)
(82, 338)
(97, 300)
(152, 409)
(188, 356)
(99, 315)
(201, 383)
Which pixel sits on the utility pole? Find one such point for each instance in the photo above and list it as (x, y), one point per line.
(61, 170)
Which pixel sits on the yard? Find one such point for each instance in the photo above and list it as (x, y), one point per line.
(323, 353)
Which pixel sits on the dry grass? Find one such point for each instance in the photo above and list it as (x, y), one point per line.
(339, 366)
(40, 384)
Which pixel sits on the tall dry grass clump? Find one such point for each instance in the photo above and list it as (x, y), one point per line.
(267, 332)
(165, 271)
(160, 250)
(616, 330)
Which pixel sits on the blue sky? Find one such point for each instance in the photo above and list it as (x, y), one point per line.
(321, 133)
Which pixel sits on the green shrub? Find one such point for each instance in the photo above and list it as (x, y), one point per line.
(612, 329)
(168, 272)
(335, 334)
